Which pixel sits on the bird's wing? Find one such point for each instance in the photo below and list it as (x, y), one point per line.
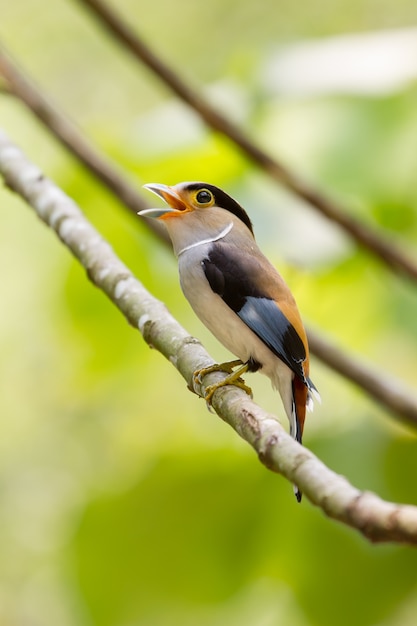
(230, 272)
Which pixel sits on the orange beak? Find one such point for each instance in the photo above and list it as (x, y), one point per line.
(171, 197)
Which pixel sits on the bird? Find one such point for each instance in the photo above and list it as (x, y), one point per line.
(237, 294)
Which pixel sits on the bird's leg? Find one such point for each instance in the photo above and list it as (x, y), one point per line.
(234, 378)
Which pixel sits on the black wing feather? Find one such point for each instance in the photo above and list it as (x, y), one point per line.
(229, 277)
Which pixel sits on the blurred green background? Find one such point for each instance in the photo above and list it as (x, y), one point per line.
(122, 500)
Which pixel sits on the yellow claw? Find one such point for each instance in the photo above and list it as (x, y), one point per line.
(217, 367)
(234, 378)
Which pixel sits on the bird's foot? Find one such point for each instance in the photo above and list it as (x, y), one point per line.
(217, 367)
(237, 381)
(234, 378)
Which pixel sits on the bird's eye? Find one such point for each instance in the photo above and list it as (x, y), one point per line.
(204, 197)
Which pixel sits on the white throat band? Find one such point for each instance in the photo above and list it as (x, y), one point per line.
(223, 233)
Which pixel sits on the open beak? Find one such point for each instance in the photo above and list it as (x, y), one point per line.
(171, 197)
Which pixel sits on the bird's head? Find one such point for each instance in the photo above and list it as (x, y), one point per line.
(191, 197)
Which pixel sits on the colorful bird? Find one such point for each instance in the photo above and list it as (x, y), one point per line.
(237, 294)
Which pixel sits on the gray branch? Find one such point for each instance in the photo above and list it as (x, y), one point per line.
(74, 141)
(374, 518)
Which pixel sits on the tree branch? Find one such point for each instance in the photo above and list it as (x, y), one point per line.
(369, 238)
(70, 137)
(389, 392)
(376, 519)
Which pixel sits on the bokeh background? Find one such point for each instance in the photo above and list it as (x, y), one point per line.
(122, 500)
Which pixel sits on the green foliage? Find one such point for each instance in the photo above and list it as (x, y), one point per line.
(199, 530)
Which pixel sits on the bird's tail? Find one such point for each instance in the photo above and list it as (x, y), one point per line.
(303, 394)
(296, 431)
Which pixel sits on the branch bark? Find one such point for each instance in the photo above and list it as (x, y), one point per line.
(376, 519)
(74, 141)
(369, 238)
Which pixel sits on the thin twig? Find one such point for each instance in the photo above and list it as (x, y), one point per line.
(388, 391)
(383, 388)
(376, 519)
(71, 137)
(374, 241)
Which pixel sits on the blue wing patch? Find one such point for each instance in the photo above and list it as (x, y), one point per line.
(267, 321)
